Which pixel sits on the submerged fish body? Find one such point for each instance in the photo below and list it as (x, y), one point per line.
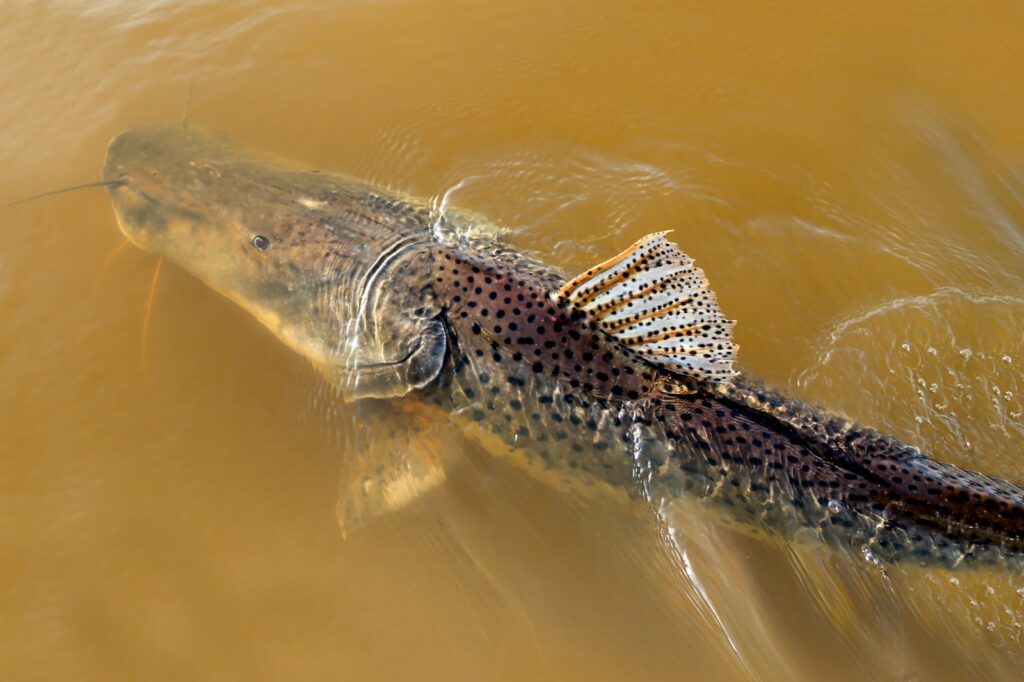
(622, 375)
(557, 388)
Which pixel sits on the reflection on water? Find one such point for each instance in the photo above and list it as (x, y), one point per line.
(850, 180)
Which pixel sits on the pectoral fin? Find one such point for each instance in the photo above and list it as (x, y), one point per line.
(400, 452)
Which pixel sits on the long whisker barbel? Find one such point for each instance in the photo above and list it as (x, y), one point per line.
(188, 101)
(87, 185)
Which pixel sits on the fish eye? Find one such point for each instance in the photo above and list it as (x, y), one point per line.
(261, 242)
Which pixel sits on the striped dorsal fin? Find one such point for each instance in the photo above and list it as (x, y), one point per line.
(655, 301)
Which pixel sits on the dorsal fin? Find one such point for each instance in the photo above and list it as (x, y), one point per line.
(654, 300)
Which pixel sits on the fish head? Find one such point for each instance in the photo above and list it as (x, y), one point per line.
(338, 270)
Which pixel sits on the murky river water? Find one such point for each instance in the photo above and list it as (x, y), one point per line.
(850, 176)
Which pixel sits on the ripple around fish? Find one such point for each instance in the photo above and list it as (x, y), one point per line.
(882, 616)
(966, 220)
(711, 565)
(955, 355)
(540, 195)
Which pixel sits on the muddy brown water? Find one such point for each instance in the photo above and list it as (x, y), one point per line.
(850, 177)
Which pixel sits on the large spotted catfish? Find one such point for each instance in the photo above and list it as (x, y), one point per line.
(623, 374)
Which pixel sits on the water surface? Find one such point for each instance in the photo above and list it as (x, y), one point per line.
(850, 176)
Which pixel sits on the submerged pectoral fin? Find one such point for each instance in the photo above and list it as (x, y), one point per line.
(401, 452)
(400, 447)
(653, 300)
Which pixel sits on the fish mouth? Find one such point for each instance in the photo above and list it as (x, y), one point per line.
(113, 171)
(125, 196)
(128, 201)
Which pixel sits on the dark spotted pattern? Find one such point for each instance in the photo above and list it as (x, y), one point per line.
(550, 382)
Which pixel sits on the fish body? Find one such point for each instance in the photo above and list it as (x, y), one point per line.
(621, 376)
(575, 402)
